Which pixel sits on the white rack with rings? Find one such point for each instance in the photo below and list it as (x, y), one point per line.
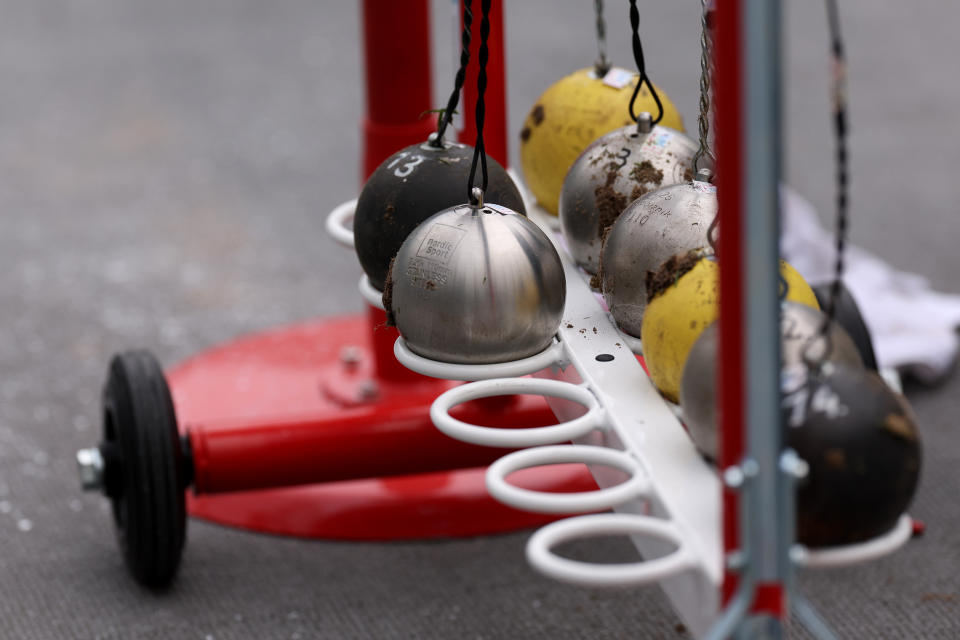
(606, 405)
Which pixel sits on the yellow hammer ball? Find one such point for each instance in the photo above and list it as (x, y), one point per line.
(684, 296)
(571, 114)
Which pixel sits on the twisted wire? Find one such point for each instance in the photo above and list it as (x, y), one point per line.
(447, 115)
(838, 93)
(641, 67)
(602, 65)
(479, 151)
(706, 68)
(839, 97)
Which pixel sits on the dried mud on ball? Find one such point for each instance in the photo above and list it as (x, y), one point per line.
(610, 203)
(669, 272)
(388, 294)
(645, 173)
(537, 115)
(596, 280)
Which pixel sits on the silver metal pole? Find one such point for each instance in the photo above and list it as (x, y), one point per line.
(767, 534)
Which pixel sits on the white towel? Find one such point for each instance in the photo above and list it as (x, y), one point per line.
(913, 327)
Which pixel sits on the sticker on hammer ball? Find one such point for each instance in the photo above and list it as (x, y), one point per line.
(440, 243)
(659, 139)
(618, 77)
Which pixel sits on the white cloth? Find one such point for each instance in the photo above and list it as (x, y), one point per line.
(913, 327)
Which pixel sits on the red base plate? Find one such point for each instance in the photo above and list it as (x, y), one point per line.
(301, 371)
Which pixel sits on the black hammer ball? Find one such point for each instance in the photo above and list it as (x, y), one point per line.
(409, 187)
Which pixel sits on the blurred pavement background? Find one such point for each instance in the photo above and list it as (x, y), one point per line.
(165, 172)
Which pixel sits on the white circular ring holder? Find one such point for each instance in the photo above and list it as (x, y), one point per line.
(516, 438)
(372, 295)
(854, 553)
(635, 487)
(340, 223)
(540, 553)
(553, 355)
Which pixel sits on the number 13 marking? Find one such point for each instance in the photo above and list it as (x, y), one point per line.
(406, 169)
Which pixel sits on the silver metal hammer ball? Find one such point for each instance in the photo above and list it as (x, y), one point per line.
(409, 187)
(477, 284)
(671, 221)
(612, 172)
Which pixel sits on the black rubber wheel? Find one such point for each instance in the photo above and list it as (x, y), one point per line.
(143, 467)
(849, 317)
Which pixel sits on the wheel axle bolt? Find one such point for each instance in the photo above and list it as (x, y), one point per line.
(90, 466)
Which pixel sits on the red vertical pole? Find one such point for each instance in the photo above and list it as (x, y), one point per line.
(396, 38)
(495, 99)
(729, 126)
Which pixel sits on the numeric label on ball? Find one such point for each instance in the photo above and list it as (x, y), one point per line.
(623, 154)
(801, 398)
(406, 168)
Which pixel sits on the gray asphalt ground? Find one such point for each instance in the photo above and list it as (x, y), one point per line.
(165, 171)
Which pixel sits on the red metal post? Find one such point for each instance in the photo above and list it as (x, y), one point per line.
(398, 81)
(729, 126)
(396, 38)
(495, 98)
